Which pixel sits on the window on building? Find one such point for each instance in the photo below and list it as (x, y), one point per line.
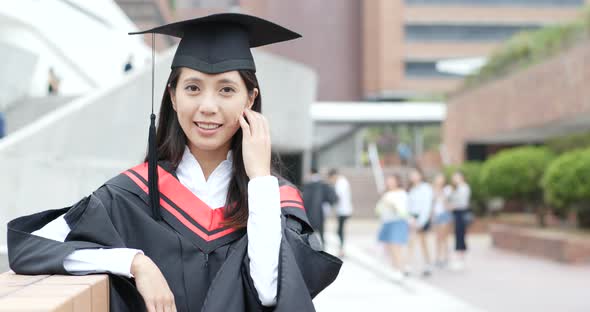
(425, 69)
(426, 33)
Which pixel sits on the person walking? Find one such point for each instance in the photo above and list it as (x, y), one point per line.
(442, 219)
(343, 206)
(316, 193)
(420, 203)
(459, 204)
(393, 211)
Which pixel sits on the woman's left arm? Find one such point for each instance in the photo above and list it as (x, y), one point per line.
(264, 236)
(264, 204)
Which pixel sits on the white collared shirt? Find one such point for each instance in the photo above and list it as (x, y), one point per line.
(264, 227)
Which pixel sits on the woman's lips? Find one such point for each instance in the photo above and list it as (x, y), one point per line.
(207, 128)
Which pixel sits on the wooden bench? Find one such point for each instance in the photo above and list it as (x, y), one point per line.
(55, 293)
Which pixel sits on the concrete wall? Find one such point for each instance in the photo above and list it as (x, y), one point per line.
(551, 98)
(87, 46)
(17, 67)
(342, 154)
(73, 150)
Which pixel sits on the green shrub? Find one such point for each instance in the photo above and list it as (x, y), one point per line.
(566, 184)
(515, 173)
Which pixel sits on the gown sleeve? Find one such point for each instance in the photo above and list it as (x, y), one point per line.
(304, 270)
(116, 261)
(91, 227)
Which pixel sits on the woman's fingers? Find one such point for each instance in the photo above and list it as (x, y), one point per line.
(252, 121)
(245, 127)
(258, 123)
(265, 126)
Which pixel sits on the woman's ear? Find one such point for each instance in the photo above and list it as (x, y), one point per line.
(252, 97)
(172, 96)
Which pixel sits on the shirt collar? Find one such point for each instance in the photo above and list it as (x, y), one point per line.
(191, 174)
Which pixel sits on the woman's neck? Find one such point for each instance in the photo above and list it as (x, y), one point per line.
(209, 160)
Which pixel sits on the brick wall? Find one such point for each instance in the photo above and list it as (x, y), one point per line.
(545, 93)
(539, 243)
(55, 293)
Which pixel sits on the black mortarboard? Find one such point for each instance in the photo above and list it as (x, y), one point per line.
(221, 42)
(212, 44)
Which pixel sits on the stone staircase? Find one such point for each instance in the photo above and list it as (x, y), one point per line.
(26, 111)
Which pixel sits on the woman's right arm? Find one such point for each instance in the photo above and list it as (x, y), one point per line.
(116, 260)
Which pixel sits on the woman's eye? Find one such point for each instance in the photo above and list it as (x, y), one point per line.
(227, 90)
(192, 88)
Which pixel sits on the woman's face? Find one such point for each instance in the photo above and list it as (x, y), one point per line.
(208, 107)
(458, 178)
(391, 183)
(415, 177)
(439, 181)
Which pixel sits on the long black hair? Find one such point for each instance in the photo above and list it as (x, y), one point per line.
(171, 141)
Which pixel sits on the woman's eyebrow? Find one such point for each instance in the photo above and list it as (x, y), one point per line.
(195, 79)
(226, 80)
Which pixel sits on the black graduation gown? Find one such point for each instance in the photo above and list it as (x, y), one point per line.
(205, 264)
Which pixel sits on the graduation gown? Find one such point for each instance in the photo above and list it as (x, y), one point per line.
(205, 263)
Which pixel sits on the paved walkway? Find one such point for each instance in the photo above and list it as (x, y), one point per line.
(494, 280)
(365, 284)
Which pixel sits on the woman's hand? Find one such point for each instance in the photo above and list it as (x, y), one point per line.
(255, 144)
(152, 285)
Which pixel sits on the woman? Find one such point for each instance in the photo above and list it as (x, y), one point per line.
(459, 203)
(442, 218)
(206, 227)
(392, 209)
(344, 205)
(420, 207)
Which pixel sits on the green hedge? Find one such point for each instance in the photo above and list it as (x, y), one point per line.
(515, 173)
(566, 184)
(472, 173)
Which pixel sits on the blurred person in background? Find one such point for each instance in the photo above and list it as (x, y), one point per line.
(52, 82)
(316, 193)
(392, 209)
(343, 207)
(442, 218)
(459, 204)
(2, 125)
(129, 64)
(420, 202)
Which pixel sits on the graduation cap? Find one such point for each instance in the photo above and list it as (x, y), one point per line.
(212, 44)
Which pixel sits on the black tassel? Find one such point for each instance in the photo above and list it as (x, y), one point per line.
(153, 171)
(153, 150)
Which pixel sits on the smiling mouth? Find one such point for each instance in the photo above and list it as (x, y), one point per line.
(207, 126)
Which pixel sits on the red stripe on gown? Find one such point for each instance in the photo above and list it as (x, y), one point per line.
(184, 199)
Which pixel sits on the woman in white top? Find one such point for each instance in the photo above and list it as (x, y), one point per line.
(442, 218)
(344, 205)
(420, 207)
(459, 203)
(392, 209)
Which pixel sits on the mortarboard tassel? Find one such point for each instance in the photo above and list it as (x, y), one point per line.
(153, 152)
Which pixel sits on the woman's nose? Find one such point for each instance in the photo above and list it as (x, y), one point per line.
(208, 105)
